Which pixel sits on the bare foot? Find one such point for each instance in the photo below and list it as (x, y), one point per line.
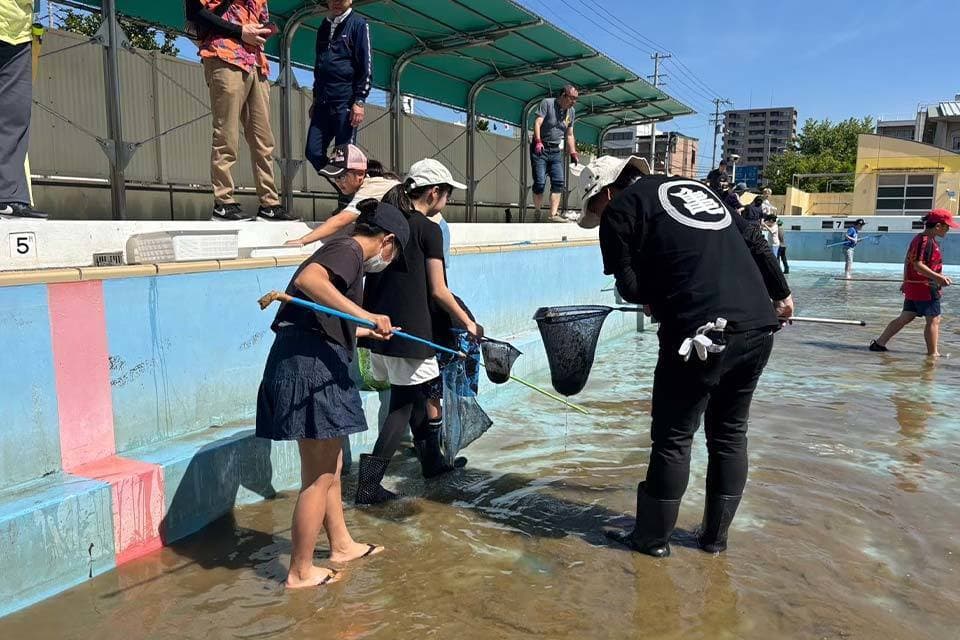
(356, 551)
(938, 355)
(314, 577)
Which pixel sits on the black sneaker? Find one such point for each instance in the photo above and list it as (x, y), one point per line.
(232, 212)
(874, 346)
(276, 213)
(20, 210)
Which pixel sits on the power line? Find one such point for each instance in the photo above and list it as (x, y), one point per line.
(632, 44)
(684, 69)
(697, 98)
(630, 41)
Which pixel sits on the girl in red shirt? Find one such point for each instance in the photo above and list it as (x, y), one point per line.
(922, 281)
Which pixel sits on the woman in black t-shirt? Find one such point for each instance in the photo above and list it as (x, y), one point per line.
(411, 295)
(307, 393)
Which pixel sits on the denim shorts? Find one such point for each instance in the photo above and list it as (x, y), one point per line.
(923, 308)
(549, 162)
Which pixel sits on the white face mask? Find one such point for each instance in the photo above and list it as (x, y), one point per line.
(376, 264)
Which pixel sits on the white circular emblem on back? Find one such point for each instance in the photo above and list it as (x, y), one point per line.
(694, 205)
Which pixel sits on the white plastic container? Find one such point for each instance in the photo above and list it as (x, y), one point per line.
(183, 246)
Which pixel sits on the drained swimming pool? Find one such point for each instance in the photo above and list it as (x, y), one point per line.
(848, 529)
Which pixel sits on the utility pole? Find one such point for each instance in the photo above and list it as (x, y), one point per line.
(657, 82)
(717, 103)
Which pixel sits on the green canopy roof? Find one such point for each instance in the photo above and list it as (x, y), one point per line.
(521, 57)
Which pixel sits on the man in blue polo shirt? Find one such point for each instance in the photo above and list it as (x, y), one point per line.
(343, 77)
(552, 128)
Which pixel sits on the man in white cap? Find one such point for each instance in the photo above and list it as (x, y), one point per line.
(709, 278)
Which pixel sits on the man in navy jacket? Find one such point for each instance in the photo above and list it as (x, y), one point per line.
(342, 81)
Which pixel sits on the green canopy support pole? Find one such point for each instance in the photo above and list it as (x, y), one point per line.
(448, 45)
(472, 142)
(603, 134)
(289, 167)
(396, 108)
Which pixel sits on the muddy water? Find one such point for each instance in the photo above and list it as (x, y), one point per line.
(849, 529)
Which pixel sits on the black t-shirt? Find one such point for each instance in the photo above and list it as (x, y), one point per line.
(404, 296)
(343, 260)
(672, 244)
(753, 213)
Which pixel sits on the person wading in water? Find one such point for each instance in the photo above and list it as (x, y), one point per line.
(711, 280)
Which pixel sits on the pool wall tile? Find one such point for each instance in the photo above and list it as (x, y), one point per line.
(139, 395)
(29, 421)
(55, 533)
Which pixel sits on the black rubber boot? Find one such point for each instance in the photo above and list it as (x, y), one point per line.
(369, 477)
(718, 513)
(430, 454)
(654, 526)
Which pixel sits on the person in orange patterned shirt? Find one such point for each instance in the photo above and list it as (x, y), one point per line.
(236, 70)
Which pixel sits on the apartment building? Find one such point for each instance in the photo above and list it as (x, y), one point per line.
(756, 135)
(675, 148)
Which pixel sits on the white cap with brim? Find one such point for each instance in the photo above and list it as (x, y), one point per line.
(430, 172)
(599, 174)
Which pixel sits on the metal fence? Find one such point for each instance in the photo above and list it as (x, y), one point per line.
(165, 103)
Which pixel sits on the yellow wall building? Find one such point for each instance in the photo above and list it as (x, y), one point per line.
(893, 177)
(896, 177)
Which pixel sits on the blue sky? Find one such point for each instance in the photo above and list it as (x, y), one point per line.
(830, 59)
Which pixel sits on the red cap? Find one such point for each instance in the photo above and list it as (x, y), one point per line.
(942, 216)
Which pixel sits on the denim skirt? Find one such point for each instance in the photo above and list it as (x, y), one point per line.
(307, 390)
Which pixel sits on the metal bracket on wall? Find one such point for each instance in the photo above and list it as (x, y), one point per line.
(290, 166)
(103, 37)
(127, 151)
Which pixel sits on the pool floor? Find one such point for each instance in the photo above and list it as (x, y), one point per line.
(849, 526)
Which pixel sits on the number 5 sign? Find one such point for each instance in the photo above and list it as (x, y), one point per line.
(23, 246)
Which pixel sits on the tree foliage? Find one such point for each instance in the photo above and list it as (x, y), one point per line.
(822, 147)
(140, 35)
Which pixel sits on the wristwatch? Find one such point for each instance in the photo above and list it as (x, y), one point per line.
(358, 103)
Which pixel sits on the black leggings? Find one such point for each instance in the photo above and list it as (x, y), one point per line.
(783, 258)
(719, 390)
(408, 405)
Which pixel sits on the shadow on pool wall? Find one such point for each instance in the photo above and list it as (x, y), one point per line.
(140, 393)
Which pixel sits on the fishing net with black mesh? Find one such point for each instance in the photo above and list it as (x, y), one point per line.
(570, 335)
(498, 359)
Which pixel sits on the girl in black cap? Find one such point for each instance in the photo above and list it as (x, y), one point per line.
(307, 393)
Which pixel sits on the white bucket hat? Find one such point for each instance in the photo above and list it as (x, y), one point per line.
(429, 172)
(601, 173)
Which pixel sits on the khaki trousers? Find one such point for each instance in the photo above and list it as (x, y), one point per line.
(240, 98)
